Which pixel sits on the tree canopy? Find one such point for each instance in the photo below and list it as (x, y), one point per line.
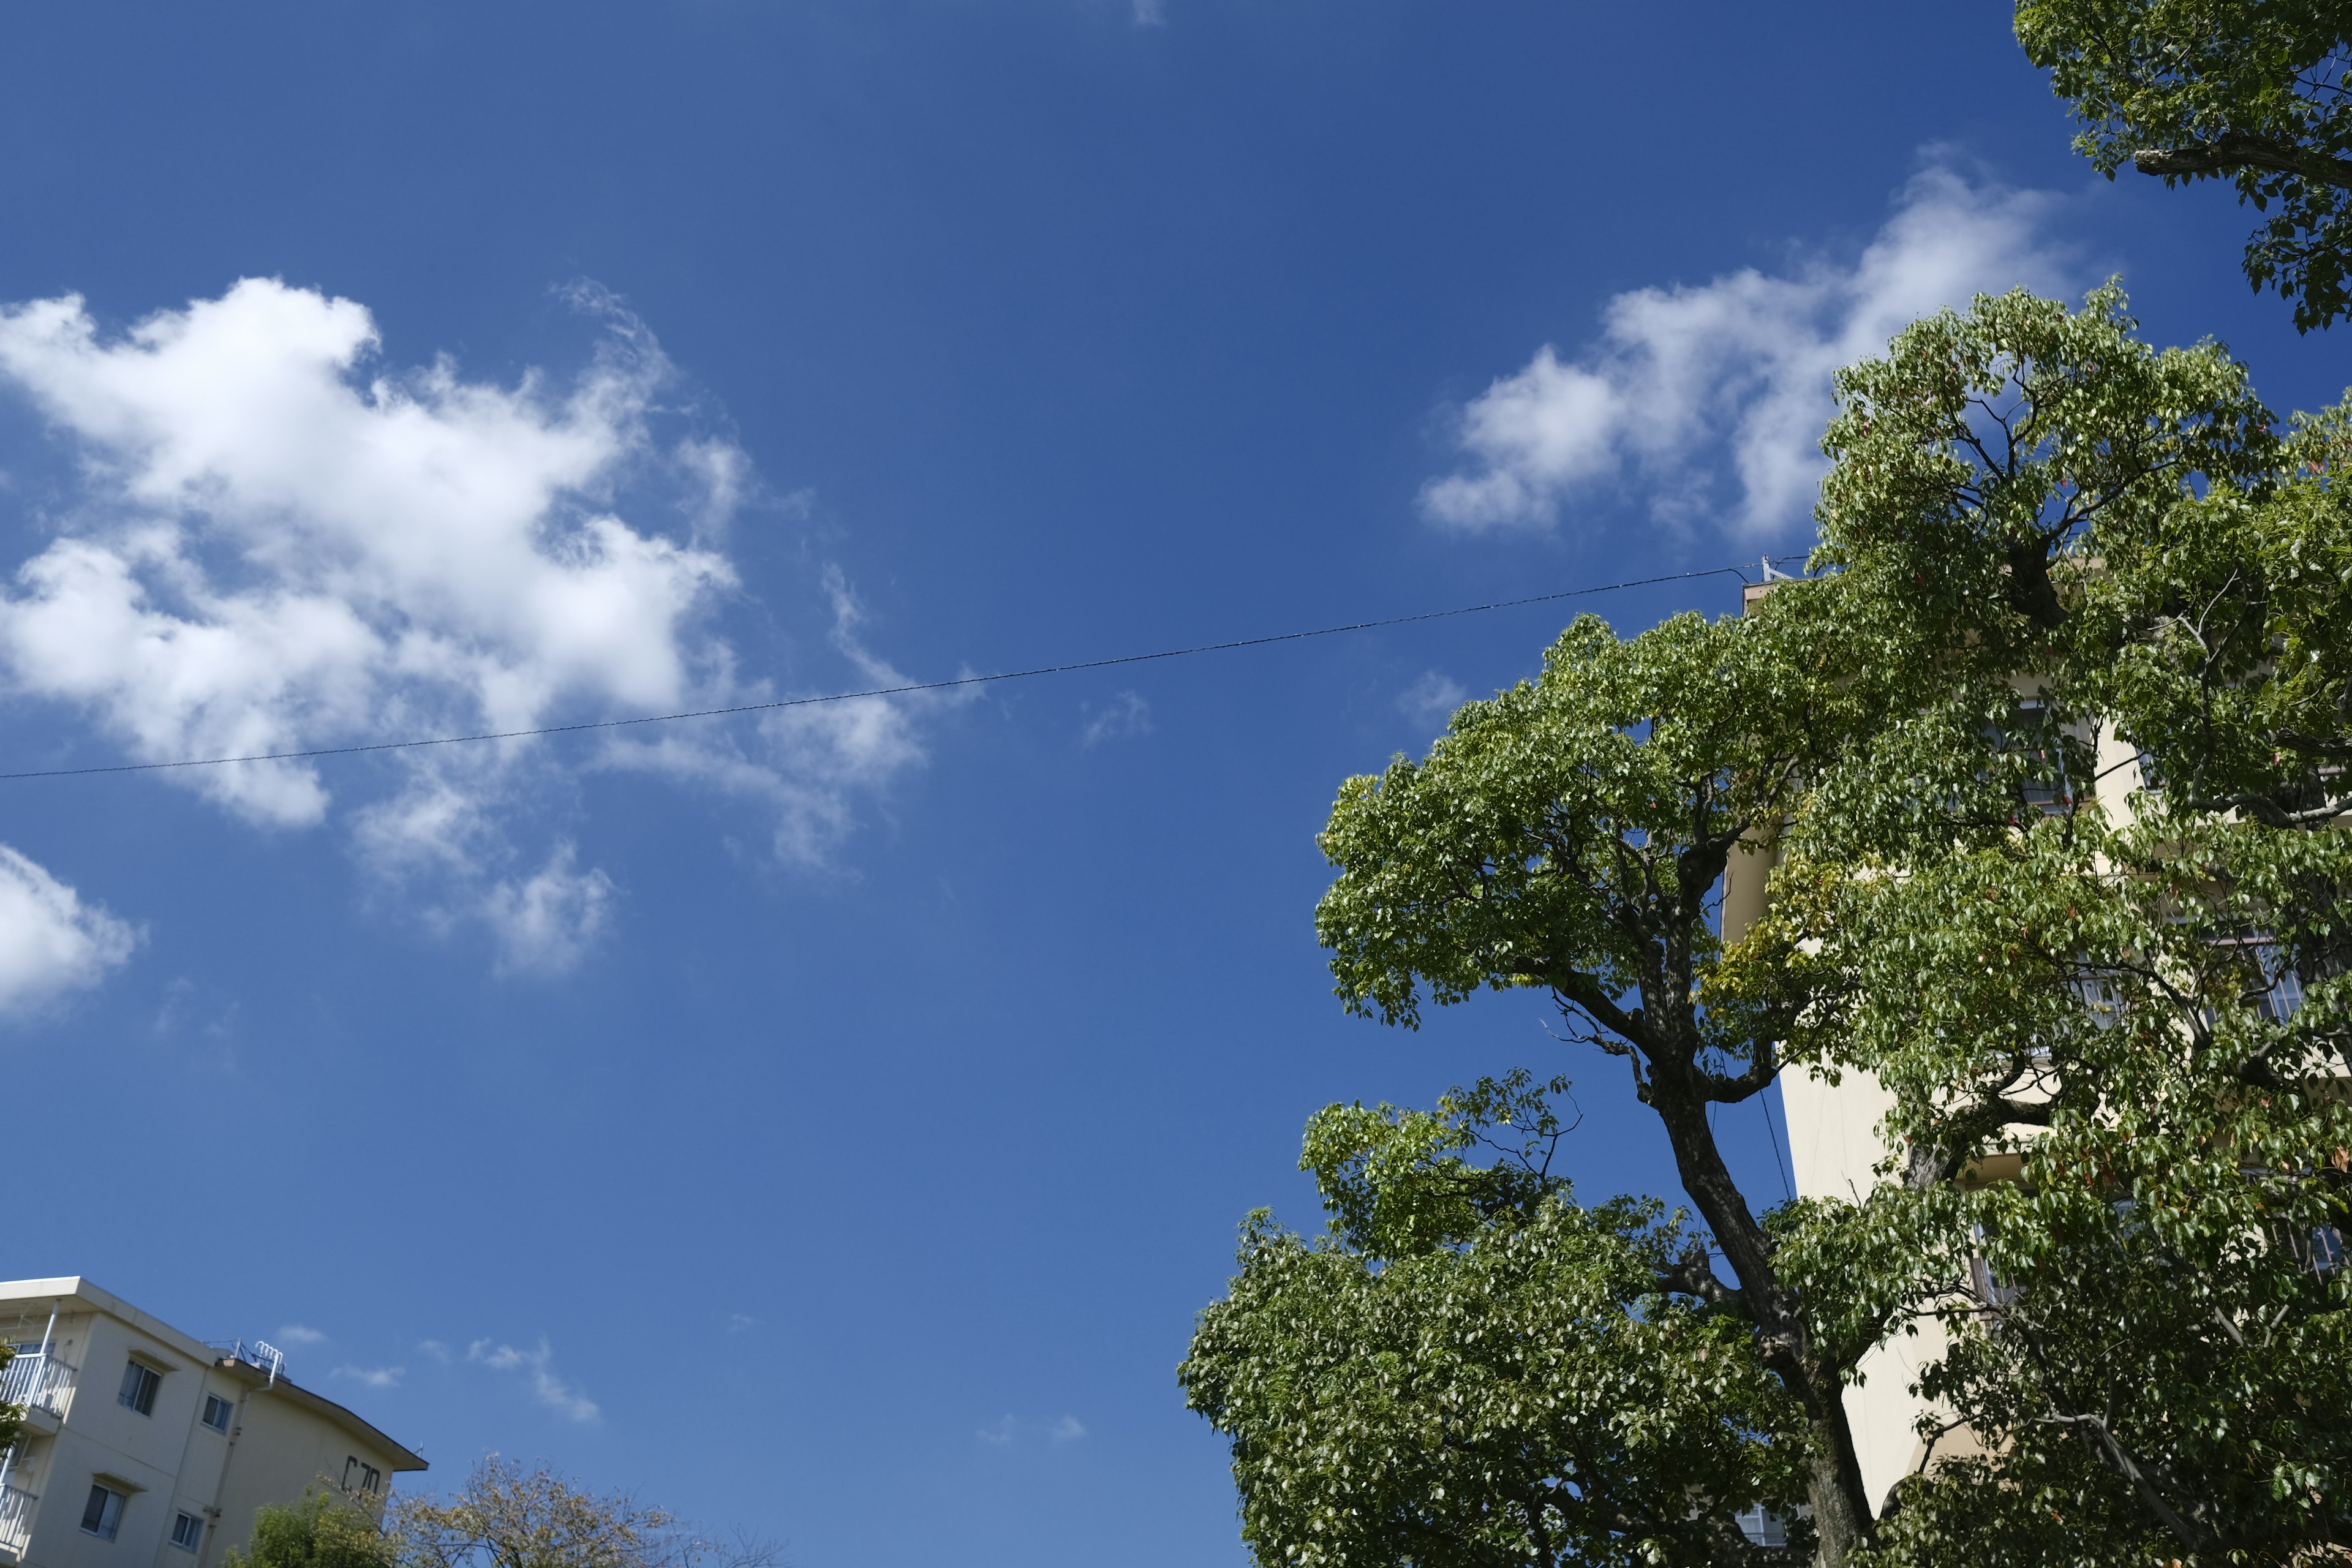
(2251, 91)
(506, 1517)
(2048, 760)
(1470, 1370)
(503, 1516)
(328, 1528)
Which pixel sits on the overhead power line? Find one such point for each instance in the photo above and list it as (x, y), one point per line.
(907, 690)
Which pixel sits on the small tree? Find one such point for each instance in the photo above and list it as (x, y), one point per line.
(506, 1517)
(327, 1529)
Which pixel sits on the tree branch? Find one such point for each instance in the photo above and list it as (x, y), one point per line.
(2237, 150)
(1691, 1277)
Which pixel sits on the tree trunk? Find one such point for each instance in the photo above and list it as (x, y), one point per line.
(1841, 1507)
(1842, 1512)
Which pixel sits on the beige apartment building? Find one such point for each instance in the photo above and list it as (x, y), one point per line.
(144, 1448)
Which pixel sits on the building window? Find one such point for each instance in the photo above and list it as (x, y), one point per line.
(2100, 997)
(2277, 990)
(216, 1412)
(102, 1515)
(2324, 1251)
(2284, 996)
(187, 1531)
(140, 1383)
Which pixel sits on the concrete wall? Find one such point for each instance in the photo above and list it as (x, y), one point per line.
(282, 1440)
(101, 1439)
(281, 1451)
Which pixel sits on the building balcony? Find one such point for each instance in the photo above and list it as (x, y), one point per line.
(42, 1384)
(15, 1521)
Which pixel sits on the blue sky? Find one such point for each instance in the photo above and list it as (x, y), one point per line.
(828, 1124)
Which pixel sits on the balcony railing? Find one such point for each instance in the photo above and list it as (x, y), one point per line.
(258, 1353)
(37, 1380)
(16, 1518)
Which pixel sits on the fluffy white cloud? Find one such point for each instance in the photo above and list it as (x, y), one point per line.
(814, 760)
(564, 1398)
(1726, 386)
(275, 543)
(50, 941)
(546, 922)
(280, 554)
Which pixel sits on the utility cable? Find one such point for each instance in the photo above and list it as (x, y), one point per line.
(907, 690)
(1781, 1167)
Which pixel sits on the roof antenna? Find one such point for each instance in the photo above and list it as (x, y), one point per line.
(1772, 574)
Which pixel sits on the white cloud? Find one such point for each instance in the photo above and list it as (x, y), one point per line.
(436, 1350)
(738, 1321)
(373, 1376)
(1006, 1429)
(50, 940)
(1151, 13)
(817, 757)
(1725, 387)
(564, 1398)
(301, 1334)
(185, 1002)
(1435, 695)
(275, 543)
(1126, 714)
(547, 921)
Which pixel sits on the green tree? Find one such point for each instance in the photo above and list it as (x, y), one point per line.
(2113, 556)
(12, 1416)
(1467, 1369)
(326, 1529)
(1572, 835)
(2041, 540)
(2252, 92)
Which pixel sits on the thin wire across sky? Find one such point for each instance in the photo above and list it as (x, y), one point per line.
(907, 690)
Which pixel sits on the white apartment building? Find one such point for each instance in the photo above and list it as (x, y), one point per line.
(144, 1448)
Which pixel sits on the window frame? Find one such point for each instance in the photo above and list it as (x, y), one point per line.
(193, 1526)
(146, 1379)
(107, 1505)
(227, 1408)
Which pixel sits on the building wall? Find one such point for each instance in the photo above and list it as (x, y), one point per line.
(102, 1439)
(282, 1440)
(281, 1451)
